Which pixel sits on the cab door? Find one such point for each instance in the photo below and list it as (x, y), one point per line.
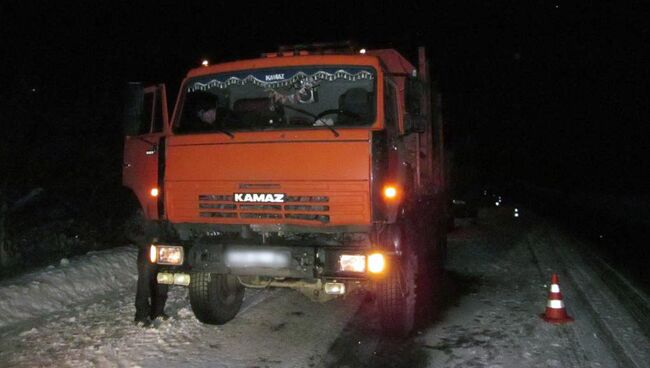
(146, 124)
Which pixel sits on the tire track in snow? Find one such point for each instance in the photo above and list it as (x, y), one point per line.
(590, 302)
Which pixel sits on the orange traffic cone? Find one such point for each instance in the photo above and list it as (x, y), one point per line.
(555, 312)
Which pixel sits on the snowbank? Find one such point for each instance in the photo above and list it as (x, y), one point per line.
(72, 281)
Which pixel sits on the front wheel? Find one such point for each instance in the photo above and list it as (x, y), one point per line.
(396, 296)
(215, 299)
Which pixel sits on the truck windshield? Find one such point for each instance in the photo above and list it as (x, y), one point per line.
(281, 98)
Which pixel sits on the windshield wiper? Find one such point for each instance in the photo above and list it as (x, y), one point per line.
(323, 114)
(316, 117)
(336, 134)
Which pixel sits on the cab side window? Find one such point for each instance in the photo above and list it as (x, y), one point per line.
(144, 109)
(147, 113)
(151, 120)
(157, 112)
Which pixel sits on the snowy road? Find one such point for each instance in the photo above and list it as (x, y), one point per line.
(499, 269)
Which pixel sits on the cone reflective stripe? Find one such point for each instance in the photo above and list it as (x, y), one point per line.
(555, 312)
(555, 288)
(555, 304)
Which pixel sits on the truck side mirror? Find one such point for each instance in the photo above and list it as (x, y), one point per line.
(415, 123)
(133, 109)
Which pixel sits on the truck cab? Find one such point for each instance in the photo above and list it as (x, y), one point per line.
(314, 169)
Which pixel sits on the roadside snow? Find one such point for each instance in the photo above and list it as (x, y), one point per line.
(53, 289)
(80, 315)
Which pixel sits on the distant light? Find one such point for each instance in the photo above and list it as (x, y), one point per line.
(205, 62)
(497, 203)
(362, 51)
(516, 214)
(33, 89)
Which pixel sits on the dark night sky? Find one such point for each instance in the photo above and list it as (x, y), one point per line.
(545, 91)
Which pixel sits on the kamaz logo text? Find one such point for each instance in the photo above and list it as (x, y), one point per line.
(259, 197)
(273, 77)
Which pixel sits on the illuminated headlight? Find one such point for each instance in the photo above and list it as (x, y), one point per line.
(166, 255)
(352, 263)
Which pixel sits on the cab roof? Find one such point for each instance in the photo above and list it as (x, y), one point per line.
(385, 59)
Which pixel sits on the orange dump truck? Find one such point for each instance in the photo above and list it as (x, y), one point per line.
(314, 169)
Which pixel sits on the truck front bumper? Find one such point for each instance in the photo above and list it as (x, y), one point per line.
(277, 261)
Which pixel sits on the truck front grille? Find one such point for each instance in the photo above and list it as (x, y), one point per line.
(295, 208)
(218, 214)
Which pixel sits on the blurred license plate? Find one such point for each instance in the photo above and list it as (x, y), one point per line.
(257, 258)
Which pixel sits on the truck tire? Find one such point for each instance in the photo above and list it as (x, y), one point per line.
(396, 296)
(215, 298)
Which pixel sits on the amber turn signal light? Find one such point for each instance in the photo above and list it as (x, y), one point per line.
(390, 192)
(376, 263)
(153, 254)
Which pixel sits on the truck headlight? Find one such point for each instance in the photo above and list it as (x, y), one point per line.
(166, 254)
(352, 263)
